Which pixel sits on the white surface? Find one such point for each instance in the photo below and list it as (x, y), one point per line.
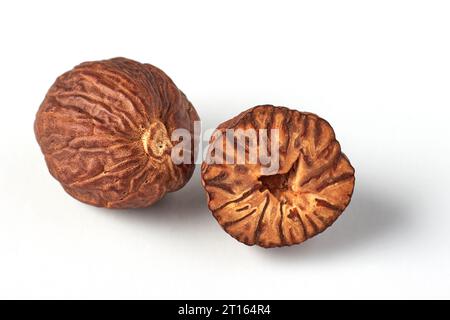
(379, 71)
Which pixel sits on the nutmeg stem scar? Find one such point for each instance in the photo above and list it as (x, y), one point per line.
(155, 139)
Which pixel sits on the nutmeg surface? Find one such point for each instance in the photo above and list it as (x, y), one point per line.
(105, 129)
(310, 189)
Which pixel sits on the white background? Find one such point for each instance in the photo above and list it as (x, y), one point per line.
(379, 71)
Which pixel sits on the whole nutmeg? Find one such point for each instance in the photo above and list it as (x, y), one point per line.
(105, 130)
(300, 189)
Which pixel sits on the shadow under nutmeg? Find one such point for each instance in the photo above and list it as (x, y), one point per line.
(181, 209)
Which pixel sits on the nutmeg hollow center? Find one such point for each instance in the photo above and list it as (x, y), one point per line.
(277, 184)
(155, 139)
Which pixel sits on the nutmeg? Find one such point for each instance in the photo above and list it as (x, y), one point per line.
(105, 131)
(310, 188)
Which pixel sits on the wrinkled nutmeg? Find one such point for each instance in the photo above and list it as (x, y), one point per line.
(312, 186)
(105, 130)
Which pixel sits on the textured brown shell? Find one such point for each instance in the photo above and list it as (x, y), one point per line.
(314, 183)
(105, 127)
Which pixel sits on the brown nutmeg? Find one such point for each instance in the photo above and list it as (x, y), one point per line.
(105, 130)
(312, 186)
